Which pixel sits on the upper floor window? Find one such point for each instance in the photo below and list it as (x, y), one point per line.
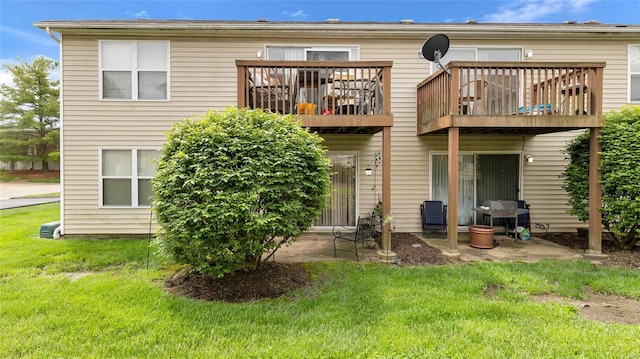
(315, 53)
(634, 73)
(478, 54)
(134, 70)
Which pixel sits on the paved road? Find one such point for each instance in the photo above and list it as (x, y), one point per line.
(10, 193)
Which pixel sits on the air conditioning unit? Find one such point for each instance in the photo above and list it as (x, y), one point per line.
(47, 229)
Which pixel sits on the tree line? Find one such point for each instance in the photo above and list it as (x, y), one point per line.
(30, 114)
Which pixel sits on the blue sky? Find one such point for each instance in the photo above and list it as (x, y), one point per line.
(19, 39)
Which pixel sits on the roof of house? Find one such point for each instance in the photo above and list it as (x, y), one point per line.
(406, 29)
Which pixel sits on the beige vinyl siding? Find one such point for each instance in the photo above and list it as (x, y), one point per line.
(203, 76)
(91, 124)
(542, 185)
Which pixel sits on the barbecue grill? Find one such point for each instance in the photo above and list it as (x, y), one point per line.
(501, 209)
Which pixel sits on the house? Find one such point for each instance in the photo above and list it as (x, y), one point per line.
(510, 92)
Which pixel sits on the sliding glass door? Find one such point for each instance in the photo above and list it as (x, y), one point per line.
(341, 204)
(481, 177)
(440, 184)
(497, 177)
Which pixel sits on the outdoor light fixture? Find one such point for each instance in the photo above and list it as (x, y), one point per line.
(529, 158)
(259, 54)
(368, 171)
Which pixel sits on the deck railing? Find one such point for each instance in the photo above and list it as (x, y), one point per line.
(511, 88)
(309, 88)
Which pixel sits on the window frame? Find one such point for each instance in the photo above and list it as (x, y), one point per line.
(630, 74)
(435, 67)
(337, 49)
(352, 50)
(134, 70)
(133, 177)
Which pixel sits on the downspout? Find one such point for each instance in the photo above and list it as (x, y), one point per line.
(56, 39)
(60, 229)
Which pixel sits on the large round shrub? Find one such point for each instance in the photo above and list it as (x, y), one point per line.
(575, 177)
(621, 175)
(620, 165)
(236, 185)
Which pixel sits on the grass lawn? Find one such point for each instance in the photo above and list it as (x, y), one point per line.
(96, 299)
(29, 176)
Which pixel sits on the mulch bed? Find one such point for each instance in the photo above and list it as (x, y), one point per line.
(614, 257)
(412, 251)
(271, 280)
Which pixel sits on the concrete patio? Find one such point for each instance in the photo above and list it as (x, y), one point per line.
(318, 247)
(508, 249)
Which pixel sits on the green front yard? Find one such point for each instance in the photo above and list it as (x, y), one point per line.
(96, 299)
(29, 176)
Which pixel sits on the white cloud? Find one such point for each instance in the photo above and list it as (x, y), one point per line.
(579, 5)
(41, 40)
(139, 15)
(5, 76)
(296, 14)
(536, 10)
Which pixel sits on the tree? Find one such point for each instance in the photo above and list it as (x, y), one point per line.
(233, 187)
(575, 178)
(620, 165)
(30, 113)
(621, 175)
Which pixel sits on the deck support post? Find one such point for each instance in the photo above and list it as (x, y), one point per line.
(386, 186)
(452, 205)
(595, 193)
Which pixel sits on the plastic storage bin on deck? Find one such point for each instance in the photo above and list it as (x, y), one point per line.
(306, 109)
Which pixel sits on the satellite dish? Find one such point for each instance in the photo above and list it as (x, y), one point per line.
(435, 48)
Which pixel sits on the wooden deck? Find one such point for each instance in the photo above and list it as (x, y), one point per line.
(330, 97)
(511, 98)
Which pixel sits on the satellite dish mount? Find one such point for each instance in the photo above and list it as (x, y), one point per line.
(435, 48)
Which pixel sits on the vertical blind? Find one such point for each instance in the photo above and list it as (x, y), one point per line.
(465, 184)
(341, 204)
(481, 177)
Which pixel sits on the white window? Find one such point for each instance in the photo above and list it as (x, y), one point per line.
(134, 70)
(634, 73)
(125, 177)
(348, 53)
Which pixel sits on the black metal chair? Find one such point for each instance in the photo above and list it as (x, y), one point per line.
(363, 230)
(268, 91)
(434, 216)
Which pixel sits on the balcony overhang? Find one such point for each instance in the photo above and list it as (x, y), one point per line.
(347, 124)
(343, 97)
(512, 98)
(511, 124)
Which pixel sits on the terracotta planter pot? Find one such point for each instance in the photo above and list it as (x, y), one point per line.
(481, 236)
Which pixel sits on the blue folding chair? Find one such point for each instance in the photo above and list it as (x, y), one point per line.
(434, 216)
